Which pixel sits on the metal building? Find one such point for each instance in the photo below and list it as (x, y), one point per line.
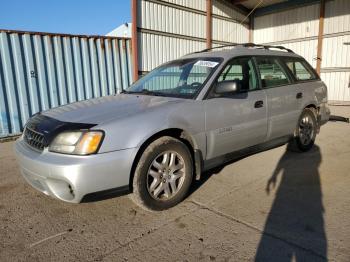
(39, 71)
(319, 30)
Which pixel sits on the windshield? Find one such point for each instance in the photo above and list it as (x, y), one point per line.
(179, 78)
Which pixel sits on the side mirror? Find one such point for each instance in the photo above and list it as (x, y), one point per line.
(229, 86)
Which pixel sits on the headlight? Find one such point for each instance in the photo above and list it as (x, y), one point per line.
(77, 142)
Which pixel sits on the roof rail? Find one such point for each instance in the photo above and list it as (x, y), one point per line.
(267, 47)
(221, 46)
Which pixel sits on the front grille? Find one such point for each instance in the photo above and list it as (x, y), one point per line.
(34, 139)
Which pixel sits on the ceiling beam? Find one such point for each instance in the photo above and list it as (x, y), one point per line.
(238, 7)
(236, 2)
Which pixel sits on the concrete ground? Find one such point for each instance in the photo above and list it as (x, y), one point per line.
(271, 206)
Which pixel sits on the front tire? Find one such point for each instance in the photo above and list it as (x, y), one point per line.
(163, 174)
(305, 133)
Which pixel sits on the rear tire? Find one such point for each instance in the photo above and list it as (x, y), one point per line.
(305, 133)
(163, 174)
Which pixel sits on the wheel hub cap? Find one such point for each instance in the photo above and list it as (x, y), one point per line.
(306, 130)
(166, 175)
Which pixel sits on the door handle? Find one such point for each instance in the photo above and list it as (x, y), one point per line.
(299, 95)
(258, 104)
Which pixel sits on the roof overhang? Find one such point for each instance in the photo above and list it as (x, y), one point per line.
(263, 7)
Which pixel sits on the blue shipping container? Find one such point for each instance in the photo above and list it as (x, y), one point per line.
(39, 71)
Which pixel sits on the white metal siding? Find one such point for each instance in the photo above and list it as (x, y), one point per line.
(227, 23)
(337, 16)
(171, 20)
(335, 53)
(157, 49)
(291, 24)
(228, 31)
(187, 27)
(222, 9)
(338, 85)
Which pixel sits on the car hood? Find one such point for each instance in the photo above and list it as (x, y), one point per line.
(109, 108)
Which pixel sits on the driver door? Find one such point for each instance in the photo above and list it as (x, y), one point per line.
(238, 120)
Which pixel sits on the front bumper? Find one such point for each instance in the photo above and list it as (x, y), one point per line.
(70, 178)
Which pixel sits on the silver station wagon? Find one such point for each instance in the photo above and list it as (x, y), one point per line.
(181, 119)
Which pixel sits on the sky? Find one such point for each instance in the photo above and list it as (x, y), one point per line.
(93, 17)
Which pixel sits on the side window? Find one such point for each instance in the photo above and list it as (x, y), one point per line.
(241, 69)
(271, 72)
(300, 69)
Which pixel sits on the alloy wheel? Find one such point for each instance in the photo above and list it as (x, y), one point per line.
(166, 175)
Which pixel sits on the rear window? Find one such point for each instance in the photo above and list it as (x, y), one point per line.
(300, 69)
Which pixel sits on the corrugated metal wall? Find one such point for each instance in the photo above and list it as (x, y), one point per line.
(335, 54)
(228, 24)
(169, 29)
(39, 71)
(297, 23)
(297, 29)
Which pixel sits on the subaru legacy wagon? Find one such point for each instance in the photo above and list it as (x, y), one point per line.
(181, 119)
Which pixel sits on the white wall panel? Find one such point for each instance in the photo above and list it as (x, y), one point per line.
(171, 20)
(222, 9)
(228, 31)
(337, 16)
(156, 49)
(291, 24)
(338, 85)
(335, 53)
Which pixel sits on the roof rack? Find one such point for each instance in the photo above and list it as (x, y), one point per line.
(267, 47)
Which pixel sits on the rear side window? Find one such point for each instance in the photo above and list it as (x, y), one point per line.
(271, 72)
(300, 69)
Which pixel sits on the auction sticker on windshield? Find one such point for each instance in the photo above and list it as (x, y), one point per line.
(206, 63)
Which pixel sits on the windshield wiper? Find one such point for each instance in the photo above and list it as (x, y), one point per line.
(144, 92)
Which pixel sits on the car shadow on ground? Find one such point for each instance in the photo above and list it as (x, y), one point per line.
(294, 228)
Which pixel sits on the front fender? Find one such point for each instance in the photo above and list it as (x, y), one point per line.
(133, 131)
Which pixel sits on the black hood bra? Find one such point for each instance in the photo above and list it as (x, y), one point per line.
(50, 127)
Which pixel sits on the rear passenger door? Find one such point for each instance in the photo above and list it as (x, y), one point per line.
(282, 101)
